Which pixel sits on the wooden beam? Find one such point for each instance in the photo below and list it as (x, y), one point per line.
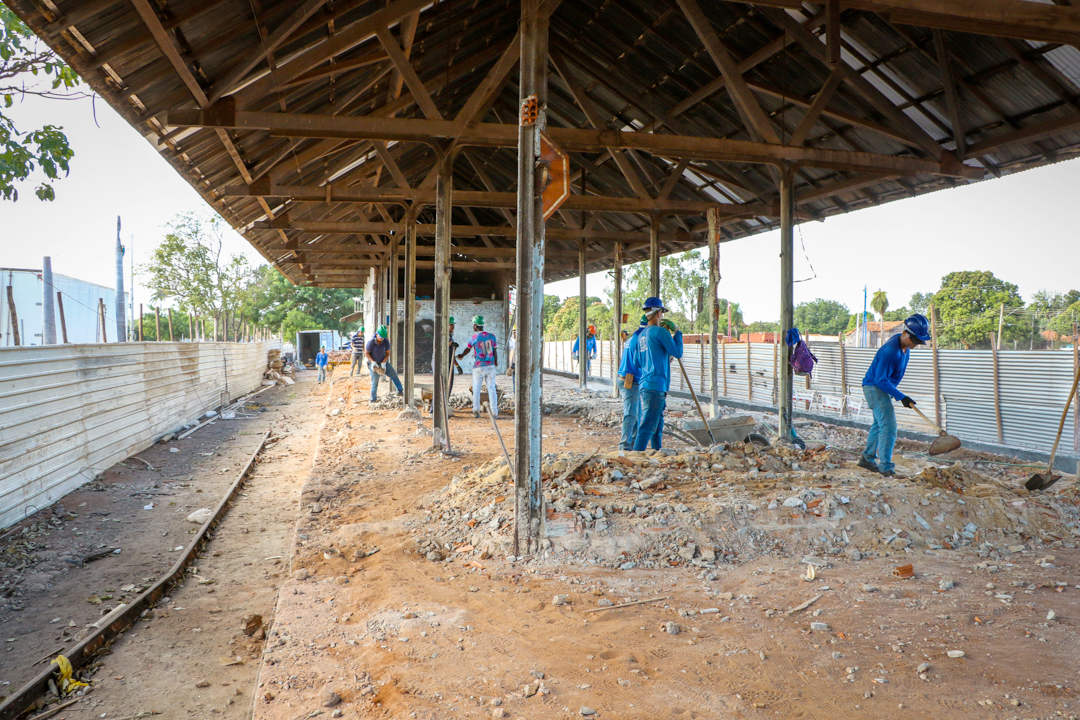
(952, 96)
(1039, 131)
(428, 230)
(573, 140)
(757, 123)
(1002, 18)
(405, 68)
(391, 165)
(673, 178)
(803, 130)
(280, 34)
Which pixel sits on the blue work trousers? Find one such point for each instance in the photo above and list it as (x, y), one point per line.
(391, 373)
(631, 414)
(882, 436)
(322, 373)
(651, 427)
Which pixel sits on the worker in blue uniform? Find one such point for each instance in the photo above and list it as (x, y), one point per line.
(590, 348)
(658, 343)
(879, 389)
(630, 377)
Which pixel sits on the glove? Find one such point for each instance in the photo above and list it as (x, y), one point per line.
(669, 326)
(574, 357)
(907, 402)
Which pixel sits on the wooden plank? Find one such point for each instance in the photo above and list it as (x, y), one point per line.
(952, 94)
(803, 130)
(1039, 131)
(401, 62)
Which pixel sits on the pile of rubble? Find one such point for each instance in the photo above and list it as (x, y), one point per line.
(278, 372)
(732, 503)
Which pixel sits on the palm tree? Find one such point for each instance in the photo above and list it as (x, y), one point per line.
(879, 304)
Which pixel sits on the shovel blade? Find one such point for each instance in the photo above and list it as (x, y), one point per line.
(944, 443)
(1041, 481)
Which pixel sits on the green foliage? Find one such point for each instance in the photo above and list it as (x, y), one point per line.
(564, 322)
(269, 299)
(552, 303)
(879, 303)
(762, 326)
(920, 303)
(680, 277)
(1066, 318)
(297, 320)
(24, 58)
(968, 304)
(824, 317)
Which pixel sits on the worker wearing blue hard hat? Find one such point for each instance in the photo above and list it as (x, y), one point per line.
(630, 377)
(879, 389)
(657, 344)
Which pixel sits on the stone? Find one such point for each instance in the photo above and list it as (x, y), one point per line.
(956, 653)
(672, 628)
(1051, 615)
(604, 602)
(945, 584)
(560, 600)
(302, 574)
(793, 502)
(329, 698)
(498, 713)
(923, 667)
(587, 711)
(538, 674)
(725, 596)
(819, 626)
(530, 689)
(337, 713)
(203, 684)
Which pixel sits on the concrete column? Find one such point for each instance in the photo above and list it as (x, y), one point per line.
(48, 307)
(398, 356)
(787, 302)
(583, 321)
(410, 306)
(654, 255)
(617, 312)
(121, 311)
(532, 85)
(444, 185)
(714, 307)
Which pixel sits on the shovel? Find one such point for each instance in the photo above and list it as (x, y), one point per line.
(944, 442)
(1041, 481)
(694, 395)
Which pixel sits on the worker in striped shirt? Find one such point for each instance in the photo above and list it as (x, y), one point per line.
(357, 342)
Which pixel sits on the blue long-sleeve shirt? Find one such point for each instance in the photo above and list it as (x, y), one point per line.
(631, 357)
(590, 345)
(888, 367)
(322, 359)
(656, 345)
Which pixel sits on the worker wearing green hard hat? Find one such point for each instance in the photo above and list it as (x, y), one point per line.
(485, 365)
(378, 354)
(356, 341)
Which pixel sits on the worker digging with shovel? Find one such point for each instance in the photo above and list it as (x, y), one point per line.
(880, 387)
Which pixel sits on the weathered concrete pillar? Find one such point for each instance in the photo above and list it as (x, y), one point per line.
(787, 302)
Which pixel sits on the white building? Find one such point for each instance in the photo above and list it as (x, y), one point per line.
(80, 301)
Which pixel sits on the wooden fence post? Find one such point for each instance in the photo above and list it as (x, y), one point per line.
(937, 377)
(63, 321)
(749, 374)
(170, 326)
(723, 362)
(843, 378)
(140, 322)
(101, 314)
(997, 386)
(14, 316)
(157, 325)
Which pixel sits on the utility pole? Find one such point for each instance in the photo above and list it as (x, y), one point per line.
(864, 339)
(121, 316)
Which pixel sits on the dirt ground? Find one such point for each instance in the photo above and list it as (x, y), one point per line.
(350, 543)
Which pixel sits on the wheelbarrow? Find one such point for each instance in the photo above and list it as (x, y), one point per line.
(726, 430)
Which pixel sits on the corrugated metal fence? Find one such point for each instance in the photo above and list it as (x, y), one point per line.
(69, 411)
(1032, 386)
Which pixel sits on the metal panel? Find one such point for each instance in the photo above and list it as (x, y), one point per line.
(68, 412)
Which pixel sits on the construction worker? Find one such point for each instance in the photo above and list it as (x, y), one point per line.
(657, 344)
(378, 354)
(486, 360)
(630, 377)
(321, 361)
(512, 346)
(590, 348)
(356, 341)
(885, 373)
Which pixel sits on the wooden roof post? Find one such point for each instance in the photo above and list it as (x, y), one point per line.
(787, 306)
(410, 306)
(583, 321)
(395, 290)
(444, 184)
(654, 254)
(532, 88)
(616, 358)
(714, 306)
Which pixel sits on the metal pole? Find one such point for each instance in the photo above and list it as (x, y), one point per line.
(444, 184)
(787, 304)
(140, 322)
(617, 317)
(410, 305)
(583, 321)
(101, 313)
(714, 305)
(121, 314)
(48, 310)
(63, 321)
(654, 255)
(532, 88)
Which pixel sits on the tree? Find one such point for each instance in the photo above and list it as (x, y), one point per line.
(29, 67)
(968, 304)
(297, 320)
(763, 326)
(825, 317)
(189, 268)
(920, 303)
(552, 303)
(879, 303)
(1047, 308)
(680, 277)
(1066, 319)
(269, 299)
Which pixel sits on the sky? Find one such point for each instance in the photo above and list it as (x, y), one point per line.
(1024, 228)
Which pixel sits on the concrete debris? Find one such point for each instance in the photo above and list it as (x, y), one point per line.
(956, 653)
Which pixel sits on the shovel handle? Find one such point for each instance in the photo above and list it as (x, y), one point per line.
(932, 423)
(694, 395)
(1061, 425)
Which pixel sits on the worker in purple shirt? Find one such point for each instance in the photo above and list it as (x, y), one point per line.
(486, 360)
(879, 389)
(321, 361)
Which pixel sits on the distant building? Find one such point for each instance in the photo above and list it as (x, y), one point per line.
(80, 300)
(873, 333)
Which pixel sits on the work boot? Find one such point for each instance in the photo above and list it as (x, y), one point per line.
(867, 465)
(888, 473)
(476, 413)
